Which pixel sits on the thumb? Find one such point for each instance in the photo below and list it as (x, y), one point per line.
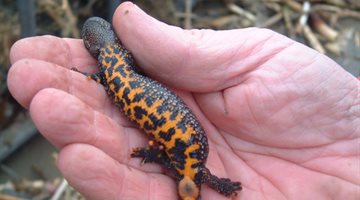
(194, 60)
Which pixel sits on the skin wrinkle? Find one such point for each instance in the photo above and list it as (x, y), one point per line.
(211, 124)
(257, 123)
(324, 171)
(223, 143)
(355, 108)
(272, 153)
(227, 66)
(307, 120)
(307, 148)
(51, 102)
(333, 107)
(96, 135)
(66, 52)
(294, 164)
(330, 151)
(198, 51)
(105, 102)
(122, 183)
(261, 177)
(299, 70)
(70, 87)
(80, 57)
(252, 114)
(327, 174)
(151, 188)
(256, 50)
(233, 79)
(347, 93)
(194, 45)
(154, 188)
(70, 76)
(127, 136)
(212, 94)
(224, 103)
(262, 62)
(174, 72)
(224, 172)
(192, 48)
(219, 140)
(320, 131)
(264, 85)
(302, 163)
(63, 60)
(223, 163)
(68, 164)
(67, 55)
(277, 148)
(207, 124)
(289, 77)
(350, 105)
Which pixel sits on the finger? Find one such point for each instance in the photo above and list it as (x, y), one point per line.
(63, 120)
(196, 60)
(98, 176)
(26, 77)
(64, 52)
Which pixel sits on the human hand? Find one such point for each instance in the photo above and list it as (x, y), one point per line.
(280, 117)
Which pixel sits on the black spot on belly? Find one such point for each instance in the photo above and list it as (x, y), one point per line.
(148, 126)
(108, 59)
(120, 103)
(110, 70)
(128, 112)
(134, 84)
(114, 61)
(138, 97)
(139, 112)
(157, 122)
(178, 153)
(149, 100)
(161, 109)
(168, 134)
(108, 51)
(120, 69)
(125, 95)
(117, 83)
(116, 50)
(196, 165)
(173, 114)
(181, 125)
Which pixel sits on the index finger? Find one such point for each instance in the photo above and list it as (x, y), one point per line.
(64, 52)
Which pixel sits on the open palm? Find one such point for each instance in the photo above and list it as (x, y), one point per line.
(280, 117)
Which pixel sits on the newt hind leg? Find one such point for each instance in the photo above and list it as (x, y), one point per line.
(222, 185)
(152, 154)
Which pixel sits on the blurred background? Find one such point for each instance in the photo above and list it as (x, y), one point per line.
(27, 160)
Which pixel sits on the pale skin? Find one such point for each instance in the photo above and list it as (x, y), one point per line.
(280, 117)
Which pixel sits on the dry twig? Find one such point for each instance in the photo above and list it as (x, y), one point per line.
(238, 10)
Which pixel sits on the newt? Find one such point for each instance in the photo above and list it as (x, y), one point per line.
(177, 139)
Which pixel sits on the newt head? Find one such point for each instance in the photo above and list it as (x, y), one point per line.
(97, 33)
